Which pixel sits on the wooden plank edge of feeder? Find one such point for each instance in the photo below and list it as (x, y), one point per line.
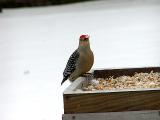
(126, 68)
(129, 115)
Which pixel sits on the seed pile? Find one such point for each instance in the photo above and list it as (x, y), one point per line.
(139, 80)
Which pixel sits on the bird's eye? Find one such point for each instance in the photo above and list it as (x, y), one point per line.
(85, 39)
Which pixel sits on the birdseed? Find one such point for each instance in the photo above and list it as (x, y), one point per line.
(139, 80)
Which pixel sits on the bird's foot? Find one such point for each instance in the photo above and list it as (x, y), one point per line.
(87, 74)
(89, 77)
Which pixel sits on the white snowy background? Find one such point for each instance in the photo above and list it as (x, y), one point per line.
(35, 44)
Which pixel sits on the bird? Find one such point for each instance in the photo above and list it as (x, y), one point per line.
(80, 62)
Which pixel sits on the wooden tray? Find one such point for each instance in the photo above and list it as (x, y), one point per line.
(101, 101)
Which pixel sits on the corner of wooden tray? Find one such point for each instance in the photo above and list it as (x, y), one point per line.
(77, 84)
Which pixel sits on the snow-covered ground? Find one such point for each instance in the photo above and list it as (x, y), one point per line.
(35, 44)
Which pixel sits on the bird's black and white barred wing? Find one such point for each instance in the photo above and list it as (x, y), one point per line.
(71, 66)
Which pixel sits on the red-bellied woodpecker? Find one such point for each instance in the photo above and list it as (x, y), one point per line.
(80, 61)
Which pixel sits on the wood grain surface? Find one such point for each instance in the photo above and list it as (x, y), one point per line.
(123, 71)
(111, 102)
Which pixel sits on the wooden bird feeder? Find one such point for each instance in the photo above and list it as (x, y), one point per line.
(125, 104)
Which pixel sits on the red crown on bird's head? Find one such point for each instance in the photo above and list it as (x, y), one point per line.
(84, 36)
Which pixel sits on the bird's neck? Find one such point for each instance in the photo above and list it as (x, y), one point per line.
(84, 47)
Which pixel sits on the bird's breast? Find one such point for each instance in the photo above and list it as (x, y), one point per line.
(86, 61)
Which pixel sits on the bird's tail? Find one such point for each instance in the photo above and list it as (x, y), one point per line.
(64, 79)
